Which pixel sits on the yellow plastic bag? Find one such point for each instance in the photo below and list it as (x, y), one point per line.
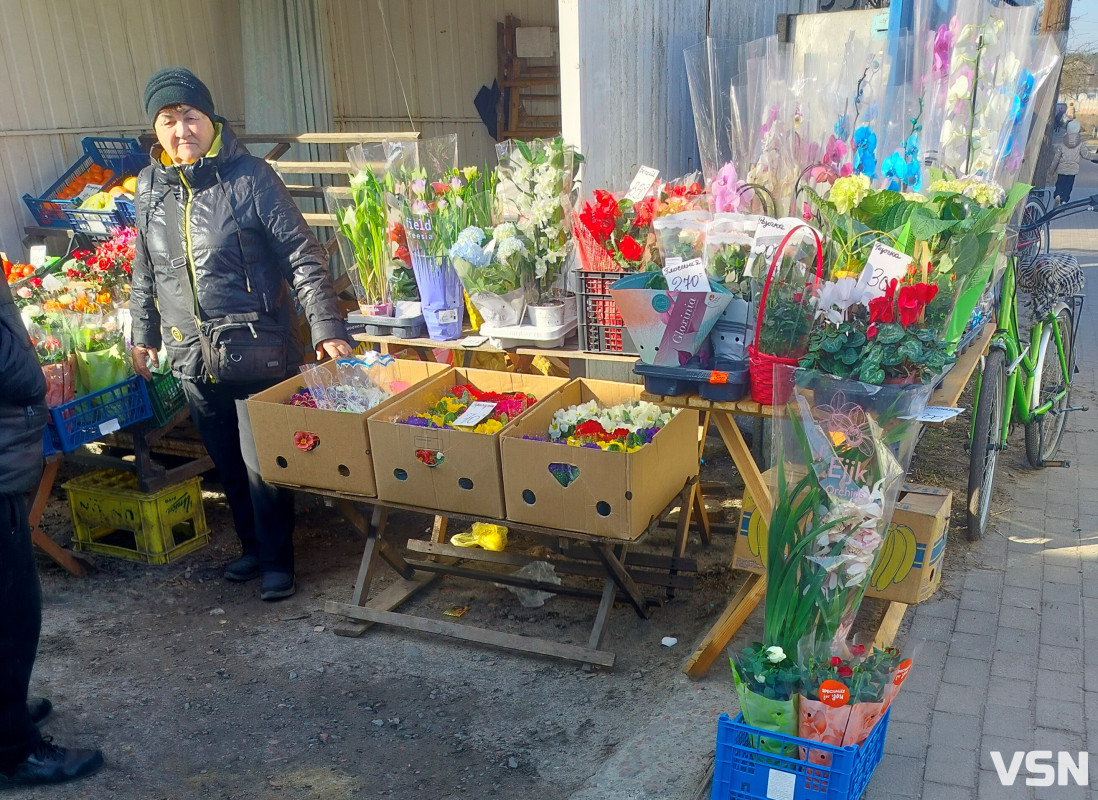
(484, 535)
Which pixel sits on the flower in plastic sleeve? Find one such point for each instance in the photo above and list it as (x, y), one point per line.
(848, 192)
(943, 45)
(629, 248)
(845, 671)
(775, 655)
(360, 179)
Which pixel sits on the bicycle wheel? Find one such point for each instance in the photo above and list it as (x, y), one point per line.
(1032, 243)
(1044, 434)
(984, 453)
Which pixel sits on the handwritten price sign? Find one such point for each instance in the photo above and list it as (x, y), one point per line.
(884, 264)
(686, 276)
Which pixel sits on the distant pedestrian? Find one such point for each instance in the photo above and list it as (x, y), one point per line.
(1065, 161)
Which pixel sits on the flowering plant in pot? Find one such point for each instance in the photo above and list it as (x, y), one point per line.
(53, 346)
(615, 233)
(362, 221)
(538, 185)
(767, 682)
(497, 269)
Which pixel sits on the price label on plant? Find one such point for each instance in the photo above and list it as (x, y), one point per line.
(38, 256)
(884, 264)
(448, 315)
(685, 276)
(110, 426)
(476, 413)
(781, 785)
(642, 183)
(768, 235)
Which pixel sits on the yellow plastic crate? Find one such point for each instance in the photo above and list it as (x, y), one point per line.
(110, 515)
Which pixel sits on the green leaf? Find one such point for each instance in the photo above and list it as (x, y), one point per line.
(889, 333)
(832, 344)
(891, 359)
(879, 203)
(925, 335)
(871, 373)
(911, 350)
(855, 339)
(849, 356)
(937, 361)
(925, 226)
(897, 216)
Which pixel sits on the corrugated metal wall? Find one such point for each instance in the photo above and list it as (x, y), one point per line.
(73, 69)
(424, 59)
(624, 87)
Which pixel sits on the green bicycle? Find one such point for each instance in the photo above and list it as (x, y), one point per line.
(1027, 383)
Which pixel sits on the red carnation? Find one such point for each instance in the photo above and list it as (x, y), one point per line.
(629, 248)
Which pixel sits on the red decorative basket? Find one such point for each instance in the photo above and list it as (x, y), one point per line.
(762, 364)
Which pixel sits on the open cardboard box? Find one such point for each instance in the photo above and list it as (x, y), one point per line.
(341, 458)
(465, 477)
(908, 568)
(615, 495)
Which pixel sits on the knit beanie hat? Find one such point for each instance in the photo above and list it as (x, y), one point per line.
(173, 86)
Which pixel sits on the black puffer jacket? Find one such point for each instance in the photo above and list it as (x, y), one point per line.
(233, 219)
(23, 412)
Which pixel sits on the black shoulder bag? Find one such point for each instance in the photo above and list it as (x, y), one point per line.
(237, 348)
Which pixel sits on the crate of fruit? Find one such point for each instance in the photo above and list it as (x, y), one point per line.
(91, 416)
(104, 165)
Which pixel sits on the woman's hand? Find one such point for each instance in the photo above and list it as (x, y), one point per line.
(142, 358)
(333, 348)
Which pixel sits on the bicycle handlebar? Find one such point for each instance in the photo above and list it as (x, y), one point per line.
(1088, 203)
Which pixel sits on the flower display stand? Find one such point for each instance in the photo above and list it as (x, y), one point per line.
(623, 572)
(753, 589)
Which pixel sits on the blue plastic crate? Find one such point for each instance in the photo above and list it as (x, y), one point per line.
(121, 156)
(48, 447)
(125, 212)
(744, 772)
(87, 418)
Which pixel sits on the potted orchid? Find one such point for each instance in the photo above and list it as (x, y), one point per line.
(538, 187)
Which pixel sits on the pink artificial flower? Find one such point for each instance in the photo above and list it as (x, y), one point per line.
(943, 46)
(727, 195)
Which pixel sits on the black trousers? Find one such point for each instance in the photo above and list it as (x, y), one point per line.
(1064, 185)
(263, 514)
(21, 601)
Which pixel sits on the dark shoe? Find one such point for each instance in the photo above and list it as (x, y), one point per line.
(52, 764)
(245, 568)
(277, 585)
(39, 709)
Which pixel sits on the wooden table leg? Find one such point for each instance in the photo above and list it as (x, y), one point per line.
(688, 500)
(610, 558)
(34, 516)
(718, 637)
(699, 496)
(745, 462)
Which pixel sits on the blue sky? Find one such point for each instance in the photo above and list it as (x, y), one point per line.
(1084, 23)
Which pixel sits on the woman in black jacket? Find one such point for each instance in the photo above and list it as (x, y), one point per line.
(217, 235)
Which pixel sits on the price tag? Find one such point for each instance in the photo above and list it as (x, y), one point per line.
(686, 276)
(934, 414)
(38, 256)
(474, 414)
(642, 183)
(781, 785)
(110, 426)
(86, 192)
(768, 235)
(718, 377)
(473, 341)
(448, 315)
(884, 264)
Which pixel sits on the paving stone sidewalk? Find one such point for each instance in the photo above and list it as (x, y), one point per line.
(1010, 659)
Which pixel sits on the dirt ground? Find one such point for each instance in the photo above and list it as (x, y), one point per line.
(193, 687)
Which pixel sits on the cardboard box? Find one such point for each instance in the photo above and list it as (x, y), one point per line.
(908, 569)
(341, 459)
(466, 478)
(615, 494)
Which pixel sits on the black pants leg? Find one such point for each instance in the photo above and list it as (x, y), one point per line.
(1064, 185)
(263, 514)
(21, 601)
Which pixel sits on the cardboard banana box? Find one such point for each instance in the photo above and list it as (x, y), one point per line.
(908, 569)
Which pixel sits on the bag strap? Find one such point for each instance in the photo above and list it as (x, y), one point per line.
(774, 263)
(177, 258)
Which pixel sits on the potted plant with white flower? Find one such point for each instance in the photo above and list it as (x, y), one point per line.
(496, 268)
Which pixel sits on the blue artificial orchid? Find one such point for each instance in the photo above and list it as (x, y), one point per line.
(865, 146)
